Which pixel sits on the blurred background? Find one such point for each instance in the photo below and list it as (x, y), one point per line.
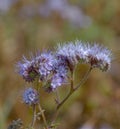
(30, 25)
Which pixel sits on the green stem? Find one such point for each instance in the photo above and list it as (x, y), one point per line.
(72, 80)
(34, 116)
(43, 116)
(57, 96)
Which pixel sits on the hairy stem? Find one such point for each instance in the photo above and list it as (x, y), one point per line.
(57, 96)
(72, 90)
(34, 116)
(72, 80)
(43, 116)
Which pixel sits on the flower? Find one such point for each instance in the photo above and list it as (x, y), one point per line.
(53, 68)
(30, 96)
(58, 75)
(46, 62)
(59, 78)
(40, 65)
(27, 70)
(99, 57)
(73, 52)
(78, 52)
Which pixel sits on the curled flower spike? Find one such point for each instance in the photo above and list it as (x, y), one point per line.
(30, 96)
(78, 52)
(27, 70)
(100, 57)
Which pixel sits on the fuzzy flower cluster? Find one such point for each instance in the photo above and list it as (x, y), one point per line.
(30, 96)
(95, 55)
(53, 68)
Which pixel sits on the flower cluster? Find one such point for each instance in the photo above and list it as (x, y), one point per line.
(53, 68)
(99, 57)
(95, 55)
(30, 96)
(27, 70)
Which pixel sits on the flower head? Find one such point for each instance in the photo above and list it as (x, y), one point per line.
(53, 68)
(73, 52)
(96, 55)
(45, 62)
(27, 70)
(59, 78)
(30, 96)
(59, 74)
(99, 56)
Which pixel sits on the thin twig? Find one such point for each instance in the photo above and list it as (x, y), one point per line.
(43, 116)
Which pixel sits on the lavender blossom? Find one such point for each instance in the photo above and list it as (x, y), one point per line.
(53, 68)
(59, 78)
(30, 96)
(99, 56)
(45, 62)
(59, 74)
(74, 53)
(78, 52)
(27, 70)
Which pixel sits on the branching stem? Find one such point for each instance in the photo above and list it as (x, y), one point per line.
(72, 90)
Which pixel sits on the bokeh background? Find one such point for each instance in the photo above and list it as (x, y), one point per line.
(30, 25)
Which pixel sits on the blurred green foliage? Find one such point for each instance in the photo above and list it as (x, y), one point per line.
(96, 104)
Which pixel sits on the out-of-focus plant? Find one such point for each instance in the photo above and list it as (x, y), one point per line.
(54, 69)
(67, 11)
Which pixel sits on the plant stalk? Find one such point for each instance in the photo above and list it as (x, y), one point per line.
(34, 116)
(72, 90)
(43, 116)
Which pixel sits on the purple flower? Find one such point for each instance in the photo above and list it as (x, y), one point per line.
(99, 56)
(27, 70)
(53, 68)
(74, 53)
(30, 96)
(45, 63)
(78, 52)
(59, 78)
